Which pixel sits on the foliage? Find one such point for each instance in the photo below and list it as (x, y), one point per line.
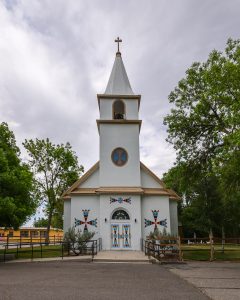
(205, 122)
(77, 240)
(158, 234)
(204, 127)
(55, 168)
(40, 222)
(16, 183)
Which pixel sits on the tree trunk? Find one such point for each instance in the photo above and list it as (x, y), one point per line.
(223, 239)
(48, 226)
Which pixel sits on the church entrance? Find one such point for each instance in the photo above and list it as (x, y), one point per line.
(120, 230)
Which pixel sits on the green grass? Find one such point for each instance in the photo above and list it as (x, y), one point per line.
(190, 252)
(202, 252)
(26, 252)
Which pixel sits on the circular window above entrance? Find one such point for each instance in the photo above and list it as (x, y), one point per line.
(120, 215)
(119, 157)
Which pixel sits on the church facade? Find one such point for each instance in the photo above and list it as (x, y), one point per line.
(119, 198)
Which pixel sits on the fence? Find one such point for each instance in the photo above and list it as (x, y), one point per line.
(43, 250)
(211, 248)
(7, 240)
(208, 248)
(163, 249)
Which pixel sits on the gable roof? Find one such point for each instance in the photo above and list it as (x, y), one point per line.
(154, 176)
(81, 179)
(76, 190)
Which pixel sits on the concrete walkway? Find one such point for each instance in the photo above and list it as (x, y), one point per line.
(102, 256)
(218, 280)
(121, 256)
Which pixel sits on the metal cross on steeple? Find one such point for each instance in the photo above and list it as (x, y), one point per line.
(118, 40)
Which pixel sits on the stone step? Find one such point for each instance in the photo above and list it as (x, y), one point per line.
(121, 256)
(120, 260)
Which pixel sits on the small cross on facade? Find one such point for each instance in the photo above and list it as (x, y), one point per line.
(118, 40)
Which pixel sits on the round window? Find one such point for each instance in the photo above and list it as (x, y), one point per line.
(119, 157)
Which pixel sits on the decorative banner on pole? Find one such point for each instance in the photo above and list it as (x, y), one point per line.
(85, 222)
(155, 222)
(120, 200)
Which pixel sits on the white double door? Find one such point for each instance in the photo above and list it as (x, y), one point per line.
(120, 235)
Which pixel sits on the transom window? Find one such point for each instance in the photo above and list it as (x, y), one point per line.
(120, 215)
(118, 109)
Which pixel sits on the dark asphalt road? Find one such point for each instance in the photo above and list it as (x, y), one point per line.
(78, 280)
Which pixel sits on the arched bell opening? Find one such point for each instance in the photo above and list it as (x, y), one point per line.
(118, 110)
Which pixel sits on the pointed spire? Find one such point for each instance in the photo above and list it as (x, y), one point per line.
(118, 83)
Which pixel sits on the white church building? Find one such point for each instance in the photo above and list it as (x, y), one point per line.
(119, 198)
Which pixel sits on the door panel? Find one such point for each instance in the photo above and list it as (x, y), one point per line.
(115, 235)
(126, 236)
(120, 236)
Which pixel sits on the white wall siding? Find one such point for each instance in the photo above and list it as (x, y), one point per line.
(134, 211)
(67, 215)
(148, 182)
(131, 109)
(124, 136)
(92, 181)
(150, 203)
(173, 216)
(80, 203)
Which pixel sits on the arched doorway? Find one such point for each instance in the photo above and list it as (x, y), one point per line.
(120, 230)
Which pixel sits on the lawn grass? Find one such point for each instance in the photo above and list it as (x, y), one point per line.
(202, 252)
(28, 252)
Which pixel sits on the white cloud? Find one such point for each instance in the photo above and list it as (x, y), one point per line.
(55, 55)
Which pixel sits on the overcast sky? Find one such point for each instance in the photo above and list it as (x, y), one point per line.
(56, 55)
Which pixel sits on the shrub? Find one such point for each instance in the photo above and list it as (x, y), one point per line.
(76, 241)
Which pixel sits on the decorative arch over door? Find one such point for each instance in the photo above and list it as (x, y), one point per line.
(120, 214)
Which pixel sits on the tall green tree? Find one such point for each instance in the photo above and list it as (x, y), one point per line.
(41, 222)
(16, 183)
(55, 168)
(201, 209)
(204, 127)
(205, 120)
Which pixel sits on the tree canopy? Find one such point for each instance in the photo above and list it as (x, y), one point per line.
(16, 183)
(55, 168)
(205, 122)
(204, 128)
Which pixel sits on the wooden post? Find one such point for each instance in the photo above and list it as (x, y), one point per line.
(223, 239)
(32, 252)
(179, 247)
(7, 240)
(211, 246)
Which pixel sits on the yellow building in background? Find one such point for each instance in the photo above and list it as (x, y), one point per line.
(30, 234)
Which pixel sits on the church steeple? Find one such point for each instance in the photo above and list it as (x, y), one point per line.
(118, 83)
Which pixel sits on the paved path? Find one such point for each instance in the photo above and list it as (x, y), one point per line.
(218, 280)
(121, 256)
(101, 281)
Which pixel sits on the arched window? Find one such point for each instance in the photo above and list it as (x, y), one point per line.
(118, 109)
(120, 215)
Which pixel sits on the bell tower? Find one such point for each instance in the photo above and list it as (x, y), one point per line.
(119, 128)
